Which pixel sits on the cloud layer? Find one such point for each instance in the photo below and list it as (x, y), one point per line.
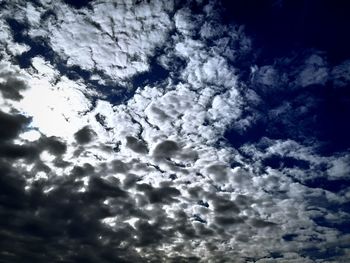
(220, 157)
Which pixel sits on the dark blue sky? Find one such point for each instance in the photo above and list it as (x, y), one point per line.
(293, 30)
(280, 27)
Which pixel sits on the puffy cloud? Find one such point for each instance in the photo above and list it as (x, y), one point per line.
(84, 135)
(340, 74)
(136, 145)
(186, 23)
(266, 75)
(130, 33)
(205, 165)
(166, 149)
(315, 72)
(11, 83)
(11, 125)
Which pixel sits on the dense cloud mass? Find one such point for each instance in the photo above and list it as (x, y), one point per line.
(173, 131)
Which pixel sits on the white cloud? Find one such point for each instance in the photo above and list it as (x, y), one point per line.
(117, 38)
(55, 109)
(186, 23)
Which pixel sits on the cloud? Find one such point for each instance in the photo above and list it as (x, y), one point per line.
(186, 23)
(166, 149)
(216, 161)
(315, 72)
(74, 213)
(136, 145)
(11, 84)
(130, 33)
(340, 74)
(11, 125)
(163, 194)
(84, 135)
(55, 145)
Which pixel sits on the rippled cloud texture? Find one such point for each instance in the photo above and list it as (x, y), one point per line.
(172, 131)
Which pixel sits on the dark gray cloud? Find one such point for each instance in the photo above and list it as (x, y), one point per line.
(54, 145)
(166, 149)
(11, 125)
(85, 135)
(164, 194)
(11, 85)
(14, 151)
(62, 223)
(136, 145)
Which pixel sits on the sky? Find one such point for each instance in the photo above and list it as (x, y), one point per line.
(174, 131)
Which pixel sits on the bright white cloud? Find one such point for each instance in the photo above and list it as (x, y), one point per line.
(117, 38)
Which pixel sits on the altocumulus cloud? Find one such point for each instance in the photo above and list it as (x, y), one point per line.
(160, 131)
